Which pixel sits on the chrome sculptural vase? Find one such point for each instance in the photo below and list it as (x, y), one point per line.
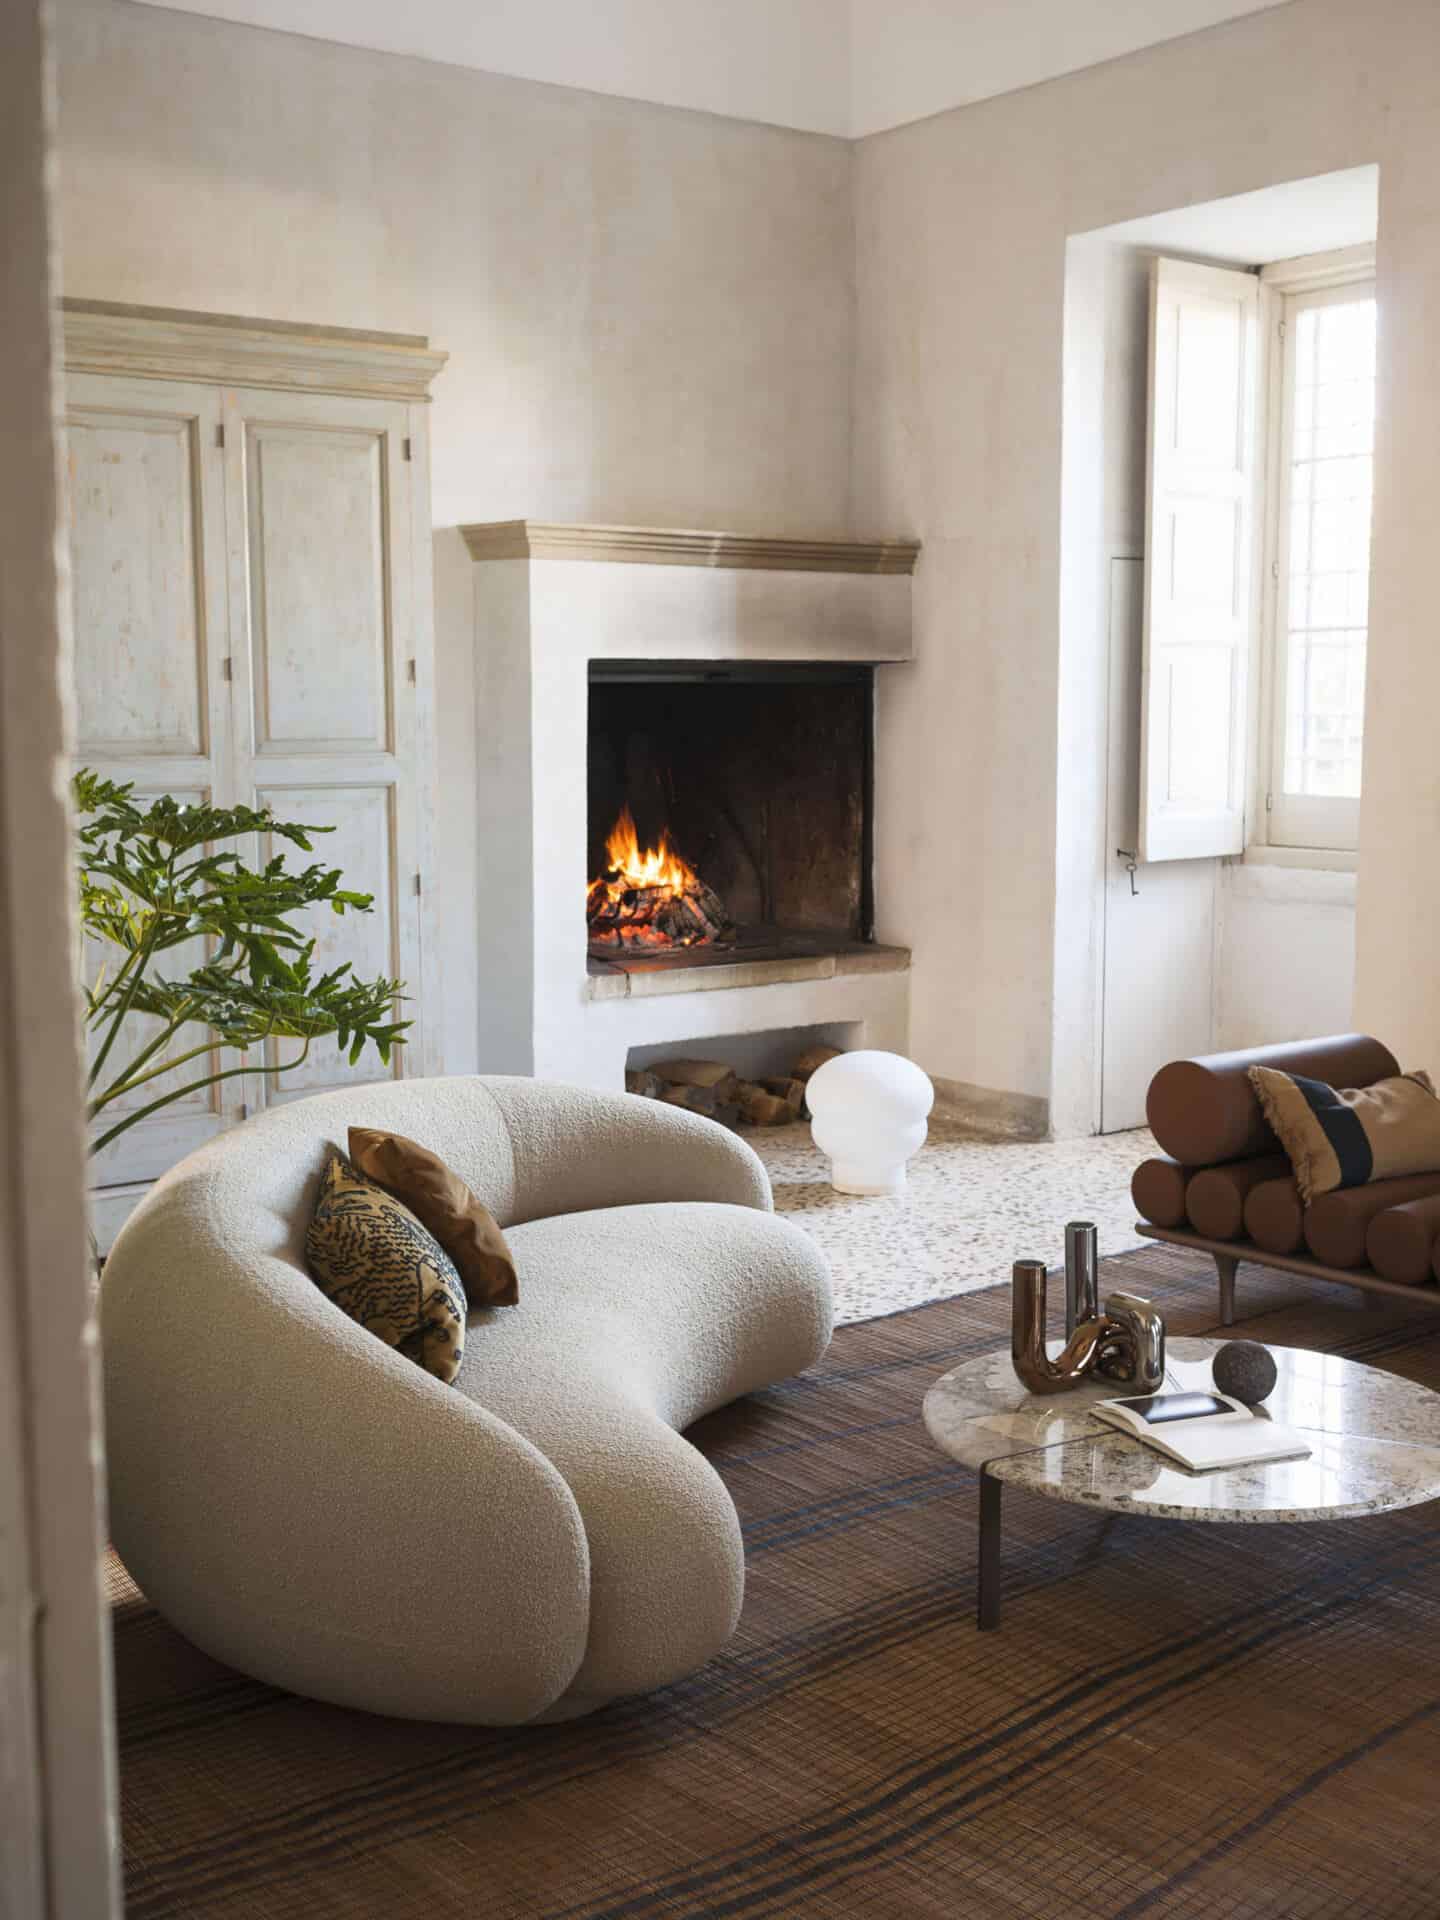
(1123, 1340)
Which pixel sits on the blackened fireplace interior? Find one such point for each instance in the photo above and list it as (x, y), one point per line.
(762, 777)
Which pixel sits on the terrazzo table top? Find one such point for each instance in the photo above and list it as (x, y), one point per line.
(1375, 1440)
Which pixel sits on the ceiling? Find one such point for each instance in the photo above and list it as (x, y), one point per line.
(848, 67)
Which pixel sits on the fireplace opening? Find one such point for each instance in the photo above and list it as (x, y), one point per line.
(729, 811)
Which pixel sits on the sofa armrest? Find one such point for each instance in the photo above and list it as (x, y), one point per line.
(310, 1506)
(576, 1150)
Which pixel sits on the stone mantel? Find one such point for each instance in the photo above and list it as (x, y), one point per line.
(681, 547)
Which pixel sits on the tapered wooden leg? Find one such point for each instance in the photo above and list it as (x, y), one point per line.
(1225, 1265)
(987, 1589)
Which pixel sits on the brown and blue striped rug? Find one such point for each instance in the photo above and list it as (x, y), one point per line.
(1215, 1723)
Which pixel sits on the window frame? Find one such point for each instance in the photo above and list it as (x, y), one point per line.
(1312, 828)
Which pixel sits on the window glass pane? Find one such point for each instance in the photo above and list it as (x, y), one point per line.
(1328, 475)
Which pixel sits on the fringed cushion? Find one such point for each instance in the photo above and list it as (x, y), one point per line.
(1345, 1138)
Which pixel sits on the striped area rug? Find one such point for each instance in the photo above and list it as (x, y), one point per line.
(1220, 1723)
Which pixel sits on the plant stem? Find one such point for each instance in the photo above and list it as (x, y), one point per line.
(210, 1080)
(142, 955)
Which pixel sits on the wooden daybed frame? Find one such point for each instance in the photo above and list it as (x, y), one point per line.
(1229, 1254)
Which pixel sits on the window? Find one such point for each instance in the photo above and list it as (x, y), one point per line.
(1322, 421)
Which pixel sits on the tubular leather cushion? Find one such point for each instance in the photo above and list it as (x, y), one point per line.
(1215, 1197)
(1204, 1110)
(1158, 1187)
(1399, 1240)
(1336, 1223)
(1274, 1217)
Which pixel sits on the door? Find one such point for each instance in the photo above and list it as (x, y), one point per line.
(1158, 988)
(323, 579)
(147, 561)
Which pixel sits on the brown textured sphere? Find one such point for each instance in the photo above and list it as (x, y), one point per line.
(1245, 1370)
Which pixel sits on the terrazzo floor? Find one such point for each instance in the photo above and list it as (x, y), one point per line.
(972, 1207)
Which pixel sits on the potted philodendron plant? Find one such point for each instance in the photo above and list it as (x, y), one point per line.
(155, 877)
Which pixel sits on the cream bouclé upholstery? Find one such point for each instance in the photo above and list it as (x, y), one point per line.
(314, 1508)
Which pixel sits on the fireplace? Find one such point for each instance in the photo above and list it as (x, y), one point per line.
(729, 811)
(722, 687)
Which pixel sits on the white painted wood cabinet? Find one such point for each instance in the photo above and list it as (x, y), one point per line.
(250, 557)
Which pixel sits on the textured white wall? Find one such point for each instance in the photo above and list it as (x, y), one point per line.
(962, 224)
(649, 313)
(1286, 957)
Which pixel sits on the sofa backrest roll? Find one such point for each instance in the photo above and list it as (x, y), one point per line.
(1203, 1110)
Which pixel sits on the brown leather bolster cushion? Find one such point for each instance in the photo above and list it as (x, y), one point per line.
(1336, 1223)
(1158, 1189)
(1274, 1217)
(1204, 1110)
(1215, 1197)
(1399, 1240)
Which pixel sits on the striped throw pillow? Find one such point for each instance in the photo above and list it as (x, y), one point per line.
(1344, 1138)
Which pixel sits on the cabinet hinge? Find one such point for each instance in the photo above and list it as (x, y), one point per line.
(1281, 329)
(1269, 803)
(220, 434)
(417, 883)
(1274, 569)
(227, 667)
(410, 671)
(405, 444)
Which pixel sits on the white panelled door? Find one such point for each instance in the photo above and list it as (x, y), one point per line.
(323, 590)
(1200, 597)
(147, 561)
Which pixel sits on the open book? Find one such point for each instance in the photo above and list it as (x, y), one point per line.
(1203, 1430)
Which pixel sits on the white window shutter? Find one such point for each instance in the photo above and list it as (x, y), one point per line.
(1200, 596)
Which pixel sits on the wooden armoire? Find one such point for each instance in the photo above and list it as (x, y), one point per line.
(252, 589)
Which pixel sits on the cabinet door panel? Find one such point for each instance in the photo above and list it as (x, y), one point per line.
(323, 614)
(148, 563)
(318, 540)
(138, 587)
(362, 846)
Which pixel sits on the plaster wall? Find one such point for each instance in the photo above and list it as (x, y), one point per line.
(649, 312)
(962, 224)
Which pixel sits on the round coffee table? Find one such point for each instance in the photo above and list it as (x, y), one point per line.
(1374, 1439)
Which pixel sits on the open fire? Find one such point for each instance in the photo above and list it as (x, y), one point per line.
(650, 897)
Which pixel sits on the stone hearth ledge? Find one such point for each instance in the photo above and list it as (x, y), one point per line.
(637, 980)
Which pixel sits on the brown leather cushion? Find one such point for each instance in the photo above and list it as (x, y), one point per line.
(1215, 1197)
(1158, 1189)
(442, 1202)
(1274, 1217)
(1204, 1110)
(1399, 1240)
(1336, 1223)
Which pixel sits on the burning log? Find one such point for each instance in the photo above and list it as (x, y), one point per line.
(650, 897)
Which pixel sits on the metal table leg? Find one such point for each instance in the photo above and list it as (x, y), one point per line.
(987, 1594)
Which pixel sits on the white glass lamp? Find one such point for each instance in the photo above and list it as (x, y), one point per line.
(869, 1115)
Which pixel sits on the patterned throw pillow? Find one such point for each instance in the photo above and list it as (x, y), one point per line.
(378, 1264)
(1346, 1138)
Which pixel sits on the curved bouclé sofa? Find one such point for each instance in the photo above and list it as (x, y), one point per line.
(525, 1544)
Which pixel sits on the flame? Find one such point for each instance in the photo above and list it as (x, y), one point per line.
(632, 869)
(632, 865)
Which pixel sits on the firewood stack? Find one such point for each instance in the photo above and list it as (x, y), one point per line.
(711, 1088)
(660, 916)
